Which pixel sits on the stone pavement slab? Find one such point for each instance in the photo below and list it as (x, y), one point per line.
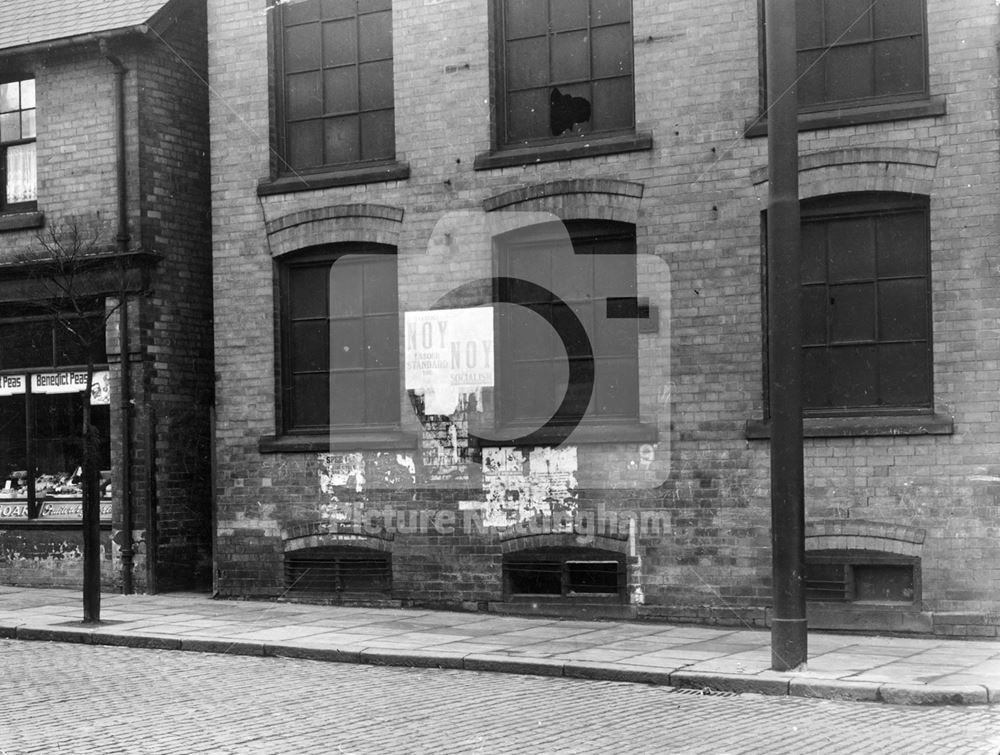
(898, 670)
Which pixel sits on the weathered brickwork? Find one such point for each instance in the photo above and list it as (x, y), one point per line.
(169, 284)
(695, 198)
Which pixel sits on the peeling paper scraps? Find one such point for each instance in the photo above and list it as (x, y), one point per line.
(521, 486)
(341, 471)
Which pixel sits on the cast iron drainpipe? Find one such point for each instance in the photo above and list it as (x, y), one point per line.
(122, 239)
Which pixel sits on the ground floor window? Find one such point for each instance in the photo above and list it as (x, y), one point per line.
(580, 573)
(332, 570)
(862, 577)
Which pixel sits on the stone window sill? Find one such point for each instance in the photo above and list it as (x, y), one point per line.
(626, 432)
(356, 441)
(349, 176)
(860, 427)
(857, 115)
(578, 147)
(15, 221)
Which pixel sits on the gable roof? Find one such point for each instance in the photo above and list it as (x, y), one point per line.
(30, 23)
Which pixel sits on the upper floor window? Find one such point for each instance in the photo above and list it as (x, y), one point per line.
(590, 280)
(340, 339)
(866, 315)
(856, 51)
(17, 145)
(334, 63)
(565, 69)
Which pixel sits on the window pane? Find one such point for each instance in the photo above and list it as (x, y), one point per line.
(341, 90)
(905, 375)
(28, 124)
(613, 104)
(570, 57)
(10, 96)
(527, 63)
(302, 48)
(382, 397)
(851, 244)
(346, 290)
(568, 14)
(814, 315)
(10, 127)
(21, 175)
(616, 272)
(849, 73)
(525, 17)
(848, 21)
(530, 336)
(815, 378)
(381, 341)
(347, 398)
(311, 399)
(570, 109)
(13, 448)
(853, 375)
(615, 337)
(902, 245)
(26, 345)
(305, 144)
(899, 66)
(339, 8)
(347, 344)
(612, 51)
(375, 36)
(340, 43)
(369, 5)
(299, 11)
(376, 85)
(898, 17)
(530, 390)
(610, 11)
(310, 341)
(378, 135)
(305, 96)
(808, 23)
(380, 284)
(616, 388)
(812, 260)
(902, 308)
(812, 78)
(852, 313)
(341, 140)
(527, 114)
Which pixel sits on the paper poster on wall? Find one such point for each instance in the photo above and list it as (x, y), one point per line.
(100, 389)
(449, 353)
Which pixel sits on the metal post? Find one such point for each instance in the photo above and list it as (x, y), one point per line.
(788, 624)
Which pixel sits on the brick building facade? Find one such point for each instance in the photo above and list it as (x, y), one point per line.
(104, 154)
(403, 191)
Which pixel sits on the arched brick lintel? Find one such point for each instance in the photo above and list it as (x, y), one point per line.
(840, 171)
(881, 537)
(371, 223)
(564, 540)
(343, 540)
(575, 199)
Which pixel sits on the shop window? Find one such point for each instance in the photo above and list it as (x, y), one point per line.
(43, 378)
(862, 577)
(574, 573)
(17, 145)
(857, 51)
(565, 69)
(866, 314)
(329, 571)
(595, 276)
(335, 82)
(340, 332)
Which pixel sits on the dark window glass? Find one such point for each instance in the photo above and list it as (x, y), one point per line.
(579, 573)
(336, 80)
(857, 50)
(597, 264)
(567, 68)
(17, 145)
(341, 331)
(865, 304)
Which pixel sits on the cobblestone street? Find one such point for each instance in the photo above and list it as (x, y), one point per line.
(64, 698)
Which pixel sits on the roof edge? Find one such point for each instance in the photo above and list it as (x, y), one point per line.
(75, 41)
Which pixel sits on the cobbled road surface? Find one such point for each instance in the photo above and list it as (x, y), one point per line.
(75, 699)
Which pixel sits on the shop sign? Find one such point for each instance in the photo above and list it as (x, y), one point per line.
(449, 353)
(53, 511)
(12, 385)
(73, 382)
